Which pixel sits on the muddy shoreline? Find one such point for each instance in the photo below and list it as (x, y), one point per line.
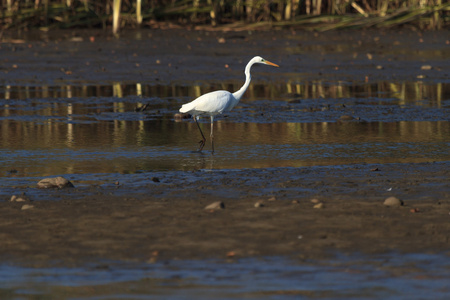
(167, 219)
(151, 220)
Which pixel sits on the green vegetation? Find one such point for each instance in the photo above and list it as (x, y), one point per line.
(319, 15)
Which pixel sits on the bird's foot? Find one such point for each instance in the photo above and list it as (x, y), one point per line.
(202, 144)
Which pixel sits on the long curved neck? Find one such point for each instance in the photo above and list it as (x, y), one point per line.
(248, 77)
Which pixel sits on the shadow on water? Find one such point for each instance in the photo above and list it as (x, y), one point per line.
(48, 130)
(384, 277)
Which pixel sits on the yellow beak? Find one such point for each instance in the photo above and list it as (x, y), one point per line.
(270, 63)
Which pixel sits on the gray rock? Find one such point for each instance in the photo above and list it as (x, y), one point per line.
(259, 204)
(17, 199)
(215, 206)
(346, 118)
(393, 201)
(27, 206)
(21, 198)
(319, 205)
(55, 182)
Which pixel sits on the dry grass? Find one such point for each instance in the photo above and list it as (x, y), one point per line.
(309, 14)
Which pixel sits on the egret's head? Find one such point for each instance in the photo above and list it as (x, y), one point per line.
(259, 59)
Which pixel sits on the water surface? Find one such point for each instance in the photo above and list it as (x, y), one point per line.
(50, 130)
(392, 276)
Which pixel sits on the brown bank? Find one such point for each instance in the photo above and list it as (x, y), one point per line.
(168, 219)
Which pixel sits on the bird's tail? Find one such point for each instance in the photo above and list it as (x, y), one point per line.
(185, 108)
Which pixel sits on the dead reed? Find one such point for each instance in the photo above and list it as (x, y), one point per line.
(309, 14)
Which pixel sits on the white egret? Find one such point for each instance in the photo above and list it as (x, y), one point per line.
(214, 103)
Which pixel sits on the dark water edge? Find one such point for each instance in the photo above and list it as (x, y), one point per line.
(390, 276)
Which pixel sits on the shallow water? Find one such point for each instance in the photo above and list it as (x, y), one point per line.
(390, 276)
(97, 135)
(50, 130)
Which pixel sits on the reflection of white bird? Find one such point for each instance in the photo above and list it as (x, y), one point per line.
(217, 102)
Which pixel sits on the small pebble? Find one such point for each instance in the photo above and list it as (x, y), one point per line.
(393, 201)
(27, 206)
(319, 205)
(259, 204)
(179, 117)
(231, 254)
(22, 198)
(153, 258)
(315, 201)
(295, 202)
(346, 118)
(155, 179)
(272, 199)
(426, 67)
(215, 205)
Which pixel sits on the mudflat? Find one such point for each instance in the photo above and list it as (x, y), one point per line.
(267, 211)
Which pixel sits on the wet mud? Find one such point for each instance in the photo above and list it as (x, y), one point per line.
(147, 219)
(183, 56)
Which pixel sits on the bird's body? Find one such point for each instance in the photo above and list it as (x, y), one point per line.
(211, 104)
(214, 103)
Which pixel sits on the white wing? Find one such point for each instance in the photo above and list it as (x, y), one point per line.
(211, 103)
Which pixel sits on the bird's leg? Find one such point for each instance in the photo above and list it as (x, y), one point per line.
(203, 141)
(212, 135)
